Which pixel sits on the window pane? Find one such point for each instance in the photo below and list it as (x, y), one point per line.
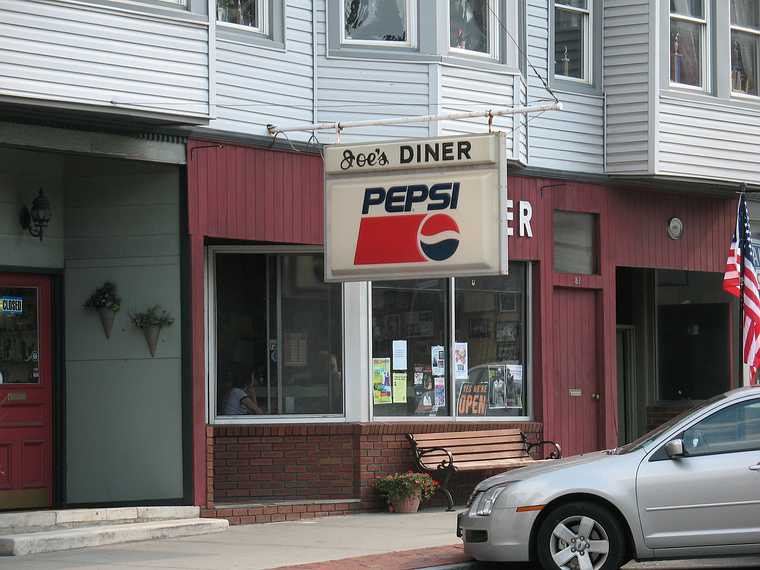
(692, 8)
(582, 4)
(19, 336)
(468, 26)
(744, 50)
(409, 359)
(745, 13)
(490, 322)
(275, 314)
(686, 53)
(569, 32)
(733, 429)
(574, 243)
(243, 12)
(377, 20)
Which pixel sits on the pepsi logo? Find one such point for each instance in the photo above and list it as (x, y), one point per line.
(438, 237)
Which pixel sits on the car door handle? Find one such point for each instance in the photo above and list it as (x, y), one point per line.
(755, 467)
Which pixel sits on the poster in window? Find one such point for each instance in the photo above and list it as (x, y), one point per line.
(440, 391)
(514, 386)
(473, 399)
(461, 368)
(497, 387)
(382, 391)
(399, 387)
(438, 360)
(399, 354)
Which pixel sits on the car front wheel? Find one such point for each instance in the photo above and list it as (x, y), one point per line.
(580, 536)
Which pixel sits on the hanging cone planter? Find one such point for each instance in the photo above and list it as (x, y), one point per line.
(107, 317)
(151, 337)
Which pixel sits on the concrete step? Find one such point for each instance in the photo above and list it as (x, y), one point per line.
(99, 535)
(28, 521)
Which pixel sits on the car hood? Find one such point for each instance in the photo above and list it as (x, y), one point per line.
(544, 467)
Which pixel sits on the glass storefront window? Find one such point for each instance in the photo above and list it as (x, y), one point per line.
(19, 336)
(409, 359)
(278, 336)
(491, 329)
(415, 363)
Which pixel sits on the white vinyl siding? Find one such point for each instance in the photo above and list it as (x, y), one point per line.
(104, 59)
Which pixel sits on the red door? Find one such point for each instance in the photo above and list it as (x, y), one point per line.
(576, 369)
(25, 392)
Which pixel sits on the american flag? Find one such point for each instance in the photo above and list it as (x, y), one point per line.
(747, 292)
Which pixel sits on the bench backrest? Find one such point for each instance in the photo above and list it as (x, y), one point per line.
(470, 447)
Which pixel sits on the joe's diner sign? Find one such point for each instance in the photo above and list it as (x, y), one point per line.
(417, 208)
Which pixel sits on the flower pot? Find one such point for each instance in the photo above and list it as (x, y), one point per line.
(107, 317)
(151, 337)
(407, 504)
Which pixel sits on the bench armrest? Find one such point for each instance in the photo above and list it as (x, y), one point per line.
(446, 463)
(556, 454)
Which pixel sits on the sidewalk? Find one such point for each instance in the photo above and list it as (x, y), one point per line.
(379, 541)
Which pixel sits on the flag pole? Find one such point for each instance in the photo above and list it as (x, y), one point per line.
(739, 239)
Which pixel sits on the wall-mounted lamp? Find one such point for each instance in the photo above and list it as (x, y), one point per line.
(37, 219)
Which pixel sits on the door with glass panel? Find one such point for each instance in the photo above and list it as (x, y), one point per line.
(25, 392)
(278, 335)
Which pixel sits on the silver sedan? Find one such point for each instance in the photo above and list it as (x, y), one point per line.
(690, 488)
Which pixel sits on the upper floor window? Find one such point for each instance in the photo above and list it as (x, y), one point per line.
(688, 35)
(572, 39)
(378, 22)
(472, 26)
(745, 46)
(249, 13)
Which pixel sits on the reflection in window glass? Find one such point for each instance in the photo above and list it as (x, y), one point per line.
(375, 20)
(571, 45)
(745, 13)
(687, 37)
(19, 336)
(278, 336)
(241, 12)
(574, 243)
(491, 327)
(690, 8)
(745, 46)
(409, 365)
(733, 429)
(469, 25)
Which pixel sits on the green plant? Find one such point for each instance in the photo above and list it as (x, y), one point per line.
(153, 316)
(400, 486)
(104, 297)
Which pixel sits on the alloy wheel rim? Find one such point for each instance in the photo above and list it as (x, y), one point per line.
(579, 543)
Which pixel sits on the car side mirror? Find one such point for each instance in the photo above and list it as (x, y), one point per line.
(674, 448)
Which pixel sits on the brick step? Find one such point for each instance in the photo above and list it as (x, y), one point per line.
(278, 511)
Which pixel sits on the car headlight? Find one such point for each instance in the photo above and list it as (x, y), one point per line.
(487, 501)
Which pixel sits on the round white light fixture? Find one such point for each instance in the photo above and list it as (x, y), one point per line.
(675, 228)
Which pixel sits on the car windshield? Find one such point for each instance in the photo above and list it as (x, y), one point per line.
(649, 437)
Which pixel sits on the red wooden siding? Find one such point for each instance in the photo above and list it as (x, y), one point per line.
(255, 194)
(632, 233)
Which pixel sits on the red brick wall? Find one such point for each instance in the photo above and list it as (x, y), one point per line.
(322, 461)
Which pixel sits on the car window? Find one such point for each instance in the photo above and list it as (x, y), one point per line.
(735, 428)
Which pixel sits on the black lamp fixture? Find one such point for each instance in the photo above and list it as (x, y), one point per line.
(37, 219)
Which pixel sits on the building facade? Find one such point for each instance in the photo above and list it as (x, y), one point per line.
(145, 124)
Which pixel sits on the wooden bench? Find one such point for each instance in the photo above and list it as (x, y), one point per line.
(443, 454)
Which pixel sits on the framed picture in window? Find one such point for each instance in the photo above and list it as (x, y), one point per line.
(508, 302)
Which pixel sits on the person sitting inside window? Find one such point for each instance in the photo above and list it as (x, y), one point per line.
(240, 400)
